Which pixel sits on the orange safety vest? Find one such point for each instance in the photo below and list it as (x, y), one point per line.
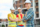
(20, 22)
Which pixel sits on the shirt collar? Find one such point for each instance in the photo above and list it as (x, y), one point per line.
(29, 9)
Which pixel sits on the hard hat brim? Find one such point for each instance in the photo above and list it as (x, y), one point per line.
(27, 2)
(12, 9)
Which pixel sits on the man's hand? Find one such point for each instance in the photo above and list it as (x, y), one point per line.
(16, 19)
(25, 20)
(19, 19)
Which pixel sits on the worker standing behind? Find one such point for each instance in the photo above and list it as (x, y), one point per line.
(20, 23)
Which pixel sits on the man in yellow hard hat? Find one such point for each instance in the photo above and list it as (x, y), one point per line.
(20, 23)
(12, 18)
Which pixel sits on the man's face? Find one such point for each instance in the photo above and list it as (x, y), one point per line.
(19, 10)
(27, 5)
(12, 11)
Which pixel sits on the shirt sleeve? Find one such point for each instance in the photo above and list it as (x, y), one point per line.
(31, 14)
(17, 15)
(9, 15)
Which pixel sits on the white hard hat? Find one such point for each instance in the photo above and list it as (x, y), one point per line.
(12, 8)
(27, 1)
(19, 8)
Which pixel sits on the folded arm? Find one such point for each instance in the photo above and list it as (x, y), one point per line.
(31, 14)
(13, 20)
(18, 18)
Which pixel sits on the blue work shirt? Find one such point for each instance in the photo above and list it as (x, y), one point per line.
(29, 17)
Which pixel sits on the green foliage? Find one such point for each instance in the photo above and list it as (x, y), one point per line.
(3, 25)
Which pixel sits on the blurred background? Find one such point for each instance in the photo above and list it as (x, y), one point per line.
(5, 6)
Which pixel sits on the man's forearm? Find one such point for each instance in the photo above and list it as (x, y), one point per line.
(19, 19)
(31, 14)
(13, 20)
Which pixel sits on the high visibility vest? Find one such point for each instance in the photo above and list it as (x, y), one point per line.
(10, 23)
(20, 22)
